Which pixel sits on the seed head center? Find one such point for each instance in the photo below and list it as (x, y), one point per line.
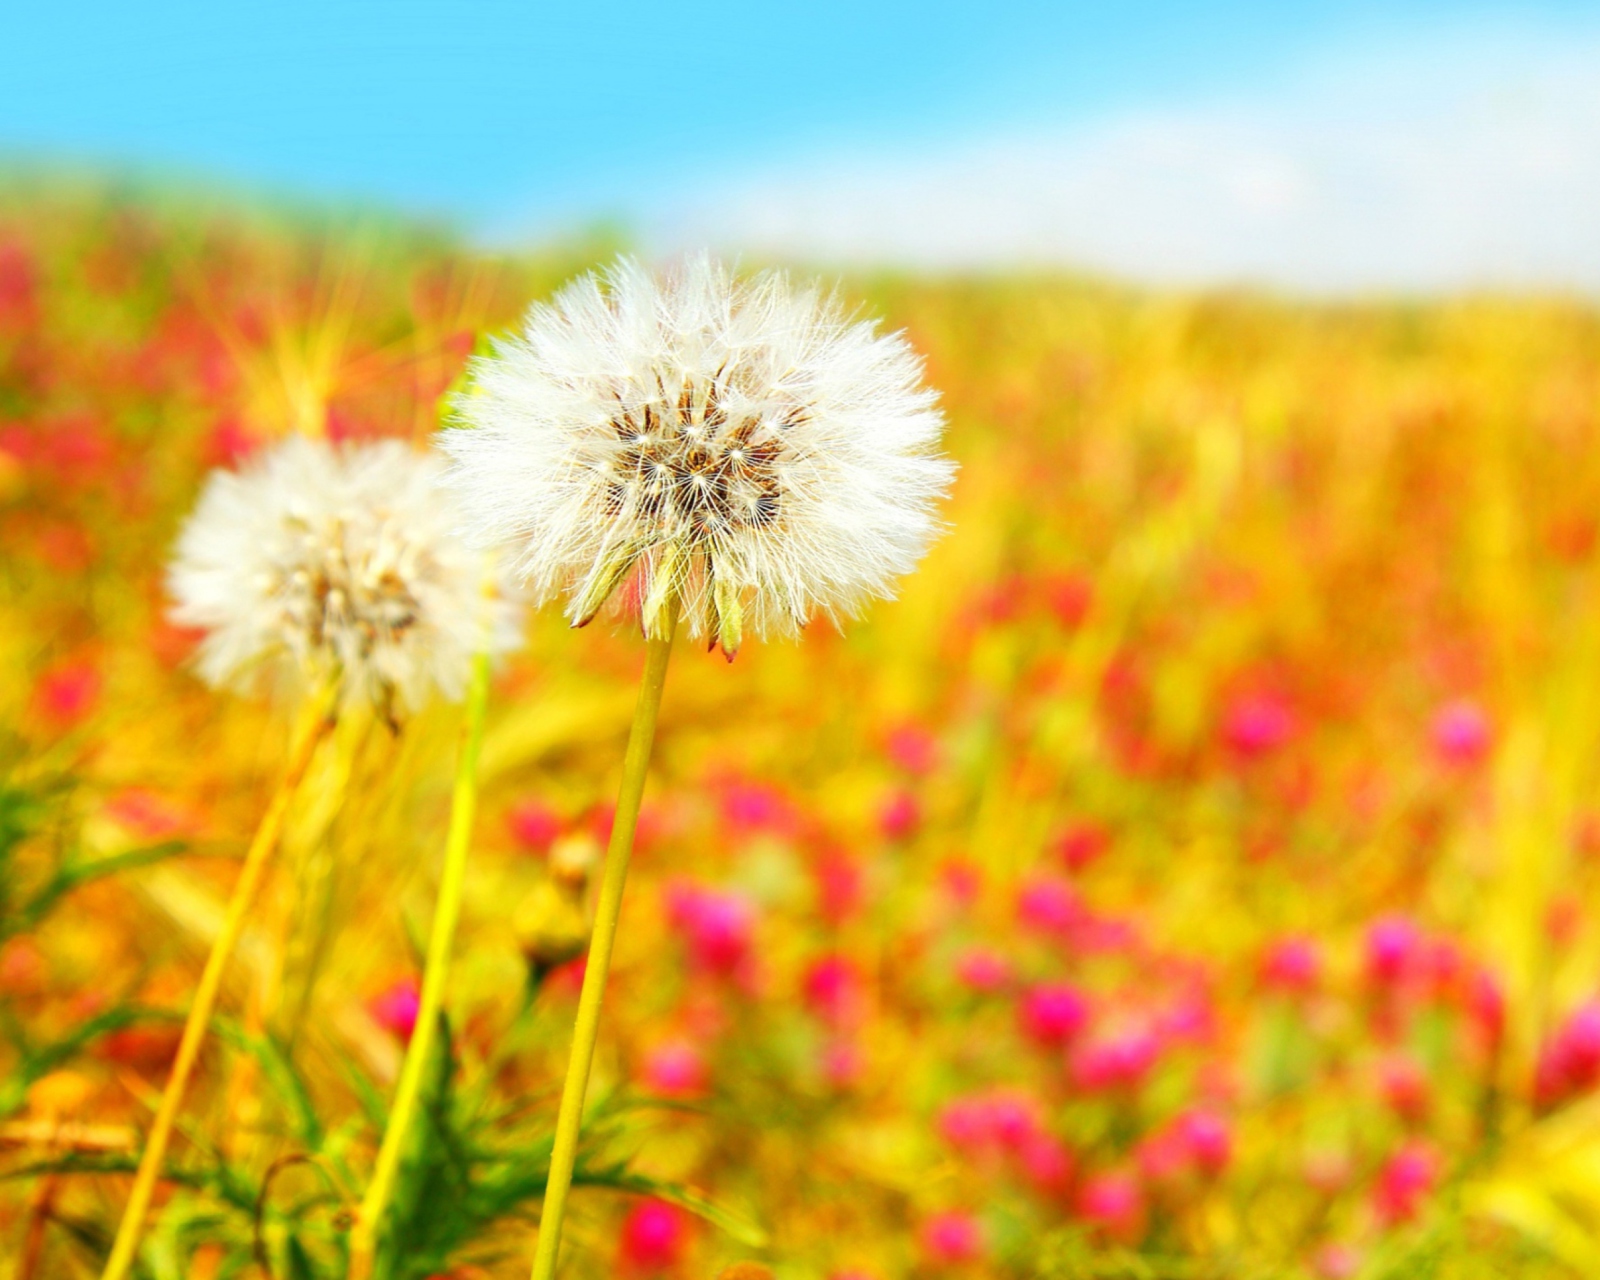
(689, 467)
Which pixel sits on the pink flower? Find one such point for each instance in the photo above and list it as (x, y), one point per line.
(1406, 1087)
(1047, 1163)
(67, 694)
(913, 748)
(1081, 845)
(1013, 1118)
(675, 1069)
(1486, 1005)
(755, 806)
(1461, 734)
(395, 1008)
(1257, 724)
(1069, 597)
(983, 969)
(1293, 964)
(839, 885)
(1327, 1171)
(962, 881)
(1162, 1158)
(900, 816)
(1404, 1183)
(952, 1237)
(1394, 944)
(717, 927)
(654, 1237)
(1337, 1262)
(964, 1124)
(231, 442)
(18, 281)
(1001, 1118)
(1570, 1063)
(1113, 1202)
(1191, 1018)
(533, 825)
(1049, 906)
(1120, 1063)
(1207, 1139)
(842, 1063)
(833, 991)
(146, 814)
(1054, 1013)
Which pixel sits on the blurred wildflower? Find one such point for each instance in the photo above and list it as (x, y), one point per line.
(1404, 1183)
(1119, 1062)
(654, 1238)
(913, 749)
(1570, 1062)
(717, 927)
(395, 1008)
(323, 563)
(952, 1237)
(1394, 947)
(833, 991)
(1049, 906)
(1082, 845)
(152, 817)
(1405, 1087)
(1461, 734)
(1047, 1162)
(1258, 723)
(1337, 1262)
(753, 806)
(900, 815)
(740, 450)
(675, 1069)
(962, 880)
(68, 694)
(1114, 1202)
(1054, 1013)
(533, 825)
(983, 969)
(839, 886)
(1293, 964)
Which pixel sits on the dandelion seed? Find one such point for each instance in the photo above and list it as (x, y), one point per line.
(319, 563)
(742, 452)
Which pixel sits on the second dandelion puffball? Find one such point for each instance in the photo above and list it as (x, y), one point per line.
(318, 562)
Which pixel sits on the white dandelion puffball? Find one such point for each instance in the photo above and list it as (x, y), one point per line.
(320, 562)
(740, 451)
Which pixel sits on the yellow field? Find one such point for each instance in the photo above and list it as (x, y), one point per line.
(1191, 874)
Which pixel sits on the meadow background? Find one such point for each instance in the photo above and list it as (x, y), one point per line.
(1191, 874)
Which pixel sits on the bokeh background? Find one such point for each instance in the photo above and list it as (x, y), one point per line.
(1192, 874)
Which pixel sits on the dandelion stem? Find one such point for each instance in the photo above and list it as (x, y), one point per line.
(318, 721)
(569, 1119)
(364, 1235)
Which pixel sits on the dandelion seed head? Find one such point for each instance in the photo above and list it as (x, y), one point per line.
(742, 451)
(320, 562)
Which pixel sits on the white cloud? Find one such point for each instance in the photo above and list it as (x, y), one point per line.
(1465, 161)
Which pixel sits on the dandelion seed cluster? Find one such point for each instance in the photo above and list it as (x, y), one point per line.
(740, 451)
(324, 562)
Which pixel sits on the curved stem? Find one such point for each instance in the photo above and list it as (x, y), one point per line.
(569, 1120)
(318, 721)
(364, 1235)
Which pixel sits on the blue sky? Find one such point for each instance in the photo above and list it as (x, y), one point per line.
(509, 118)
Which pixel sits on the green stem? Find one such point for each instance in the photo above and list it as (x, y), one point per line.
(319, 719)
(364, 1235)
(569, 1120)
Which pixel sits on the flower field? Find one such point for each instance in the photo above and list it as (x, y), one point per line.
(1192, 874)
